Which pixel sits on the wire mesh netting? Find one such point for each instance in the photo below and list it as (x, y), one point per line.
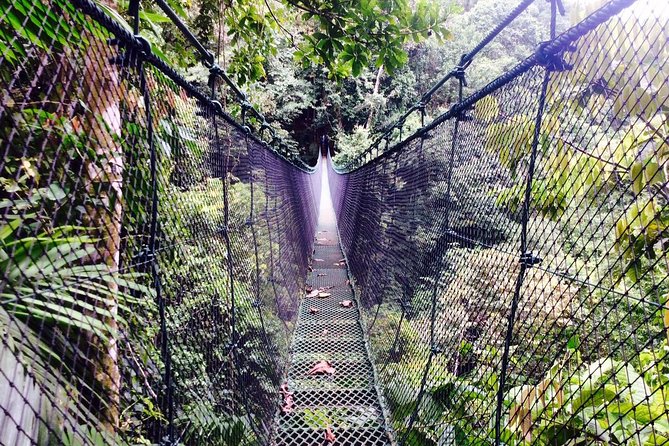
(508, 259)
(151, 249)
(511, 256)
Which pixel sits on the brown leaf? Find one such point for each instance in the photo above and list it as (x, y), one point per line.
(313, 310)
(346, 303)
(324, 295)
(322, 367)
(329, 436)
(313, 293)
(309, 289)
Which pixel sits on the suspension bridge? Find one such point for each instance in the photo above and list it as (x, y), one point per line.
(174, 274)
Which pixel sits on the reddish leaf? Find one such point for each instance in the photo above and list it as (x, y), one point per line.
(329, 436)
(348, 282)
(322, 367)
(288, 402)
(313, 293)
(313, 310)
(346, 303)
(284, 389)
(309, 289)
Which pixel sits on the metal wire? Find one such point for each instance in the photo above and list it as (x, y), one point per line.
(156, 255)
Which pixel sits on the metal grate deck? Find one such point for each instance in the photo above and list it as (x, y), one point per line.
(345, 402)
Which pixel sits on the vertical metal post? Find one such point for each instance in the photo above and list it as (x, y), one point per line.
(167, 403)
(527, 259)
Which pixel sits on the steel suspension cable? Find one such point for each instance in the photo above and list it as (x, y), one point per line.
(527, 259)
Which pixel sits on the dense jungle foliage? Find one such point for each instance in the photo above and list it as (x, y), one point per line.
(345, 70)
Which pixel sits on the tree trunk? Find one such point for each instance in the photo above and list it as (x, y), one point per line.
(104, 176)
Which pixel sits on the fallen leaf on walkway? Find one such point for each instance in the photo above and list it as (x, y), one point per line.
(348, 282)
(321, 274)
(323, 295)
(313, 293)
(288, 404)
(313, 310)
(329, 436)
(310, 268)
(341, 260)
(322, 239)
(346, 303)
(319, 260)
(284, 389)
(322, 367)
(325, 332)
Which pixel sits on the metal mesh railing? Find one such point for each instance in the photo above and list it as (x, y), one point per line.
(511, 255)
(152, 249)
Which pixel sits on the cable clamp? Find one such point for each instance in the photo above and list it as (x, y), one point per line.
(529, 259)
(462, 113)
(217, 106)
(144, 45)
(553, 61)
(209, 61)
(264, 125)
(460, 74)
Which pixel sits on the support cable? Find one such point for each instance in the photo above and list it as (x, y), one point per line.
(456, 72)
(233, 345)
(138, 43)
(167, 405)
(547, 53)
(441, 251)
(208, 59)
(526, 259)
